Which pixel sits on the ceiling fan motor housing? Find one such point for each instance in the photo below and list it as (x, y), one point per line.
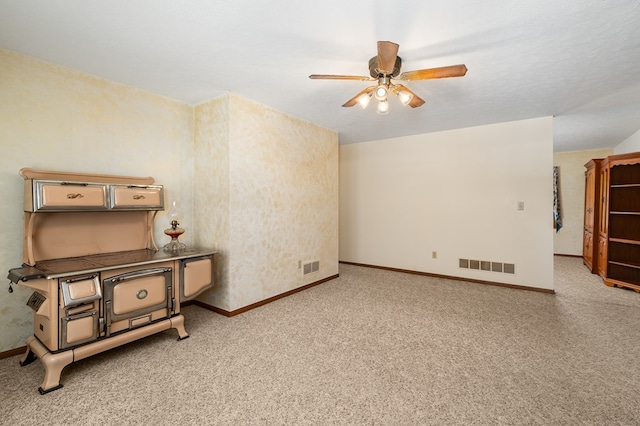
(375, 73)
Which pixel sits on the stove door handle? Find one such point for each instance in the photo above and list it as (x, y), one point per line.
(140, 274)
(83, 278)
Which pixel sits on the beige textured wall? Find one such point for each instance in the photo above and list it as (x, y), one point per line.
(266, 192)
(57, 118)
(568, 240)
(280, 192)
(212, 190)
(454, 193)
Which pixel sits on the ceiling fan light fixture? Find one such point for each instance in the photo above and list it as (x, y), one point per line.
(381, 93)
(405, 97)
(363, 100)
(383, 107)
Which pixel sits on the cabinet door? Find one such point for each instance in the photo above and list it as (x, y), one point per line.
(589, 199)
(604, 200)
(602, 256)
(133, 197)
(587, 249)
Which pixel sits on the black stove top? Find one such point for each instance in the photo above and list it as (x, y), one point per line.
(57, 268)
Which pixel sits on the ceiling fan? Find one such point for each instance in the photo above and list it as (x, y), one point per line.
(386, 67)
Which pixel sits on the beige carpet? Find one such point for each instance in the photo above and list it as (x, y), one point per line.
(372, 347)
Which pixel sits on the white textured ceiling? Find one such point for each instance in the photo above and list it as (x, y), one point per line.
(578, 60)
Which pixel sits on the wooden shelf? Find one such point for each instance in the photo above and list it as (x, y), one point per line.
(626, 265)
(624, 241)
(626, 185)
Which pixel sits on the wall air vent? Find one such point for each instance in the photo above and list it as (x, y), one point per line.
(311, 267)
(509, 268)
(485, 265)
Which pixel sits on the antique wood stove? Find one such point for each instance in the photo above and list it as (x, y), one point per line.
(98, 277)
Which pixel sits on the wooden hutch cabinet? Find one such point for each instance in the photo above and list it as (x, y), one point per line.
(619, 221)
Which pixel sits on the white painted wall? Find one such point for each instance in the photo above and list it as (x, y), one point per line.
(456, 193)
(631, 144)
(568, 240)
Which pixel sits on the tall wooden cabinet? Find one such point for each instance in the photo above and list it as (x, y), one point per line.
(619, 221)
(591, 214)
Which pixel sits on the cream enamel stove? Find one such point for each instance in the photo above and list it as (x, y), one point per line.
(99, 280)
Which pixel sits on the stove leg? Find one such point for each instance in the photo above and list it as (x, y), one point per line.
(177, 322)
(28, 357)
(53, 364)
(43, 391)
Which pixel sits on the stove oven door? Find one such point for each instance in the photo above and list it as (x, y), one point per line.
(79, 328)
(79, 306)
(196, 276)
(136, 298)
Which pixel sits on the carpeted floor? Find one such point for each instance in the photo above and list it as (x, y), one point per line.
(372, 347)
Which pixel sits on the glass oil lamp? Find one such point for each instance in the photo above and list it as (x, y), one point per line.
(174, 231)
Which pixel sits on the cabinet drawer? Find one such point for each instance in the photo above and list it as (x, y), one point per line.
(137, 197)
(60, 196)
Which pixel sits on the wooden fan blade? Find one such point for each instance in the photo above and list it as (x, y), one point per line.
(387, 54)
(339, 77)
(428, 74)
(416, 101)
(351, 102)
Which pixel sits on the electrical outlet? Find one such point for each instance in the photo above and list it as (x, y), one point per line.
(434, 254)
(520, 205)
